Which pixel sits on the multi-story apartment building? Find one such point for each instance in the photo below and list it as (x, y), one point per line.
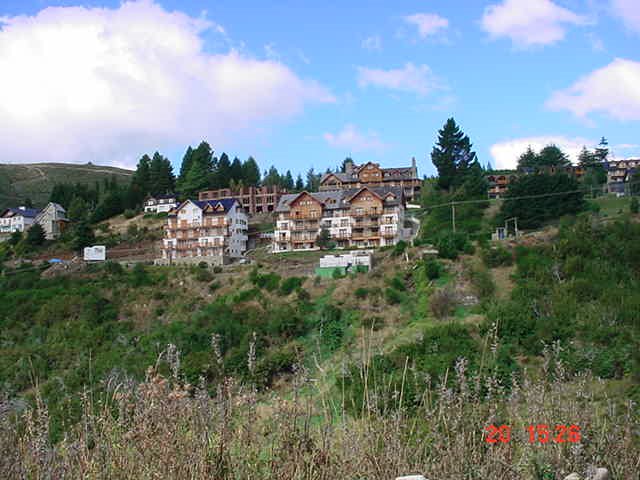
(17, 219)
(361, 217)
(212, 231)
(253, 199)
(499, 183)
(372, 175)
(499, 180)
(619, 173)
(160, 203)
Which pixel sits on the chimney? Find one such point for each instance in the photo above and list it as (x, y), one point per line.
(348, 167)
(414, 168)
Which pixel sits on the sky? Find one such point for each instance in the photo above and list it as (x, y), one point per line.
(305, 84)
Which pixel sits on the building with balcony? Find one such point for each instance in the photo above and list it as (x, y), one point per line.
(212, 231)
(160, 203)
(253, 199)
(499, 183)
(619, 173)
(372, 175)
(17, 220)
(355, 218)
(53, 219)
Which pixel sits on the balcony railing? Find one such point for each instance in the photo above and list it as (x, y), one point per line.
(305, 227)
(307, 215)
(389, 234)
(369, 223)
(365, 213)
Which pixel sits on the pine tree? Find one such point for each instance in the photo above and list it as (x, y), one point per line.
(272, 177)
(222, 175)
(452, 156)
(78, 210)
(287, 181)
(586, 158)
(251, 172)
(83, 236)
(142, 176)
(161, 178)
(236, 171)
(35, 235)
(313, 180)
(602, 150)
(299, 183)
(552, 156)
(528, 160)
(186, 163)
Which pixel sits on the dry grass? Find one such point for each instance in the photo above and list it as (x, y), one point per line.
(164, 428)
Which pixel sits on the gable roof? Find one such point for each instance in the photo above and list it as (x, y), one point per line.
(360, 190)
(392, 173)
(334, 199)
(226, 204)
(26, 212)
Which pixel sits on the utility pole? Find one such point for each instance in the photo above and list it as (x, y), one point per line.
(453, 216)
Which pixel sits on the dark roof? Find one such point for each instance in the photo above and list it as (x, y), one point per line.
(27, 212)
(162, 197)
(334, 199)
(392, 173)
(226, 203)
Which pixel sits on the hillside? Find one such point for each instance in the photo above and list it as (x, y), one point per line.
(264, 371)
(36, 180)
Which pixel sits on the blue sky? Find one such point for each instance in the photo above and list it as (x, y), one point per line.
(300, 84)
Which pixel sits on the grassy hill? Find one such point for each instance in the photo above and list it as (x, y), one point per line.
(35, 180)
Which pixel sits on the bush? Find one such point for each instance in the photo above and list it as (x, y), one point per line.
(203, 275)
(496, 256)
(399, 248)
(290, 284)
(450, 244)
(433, 268)
(483, 283)
(217, 269)
(443, 303)
(337, 273)
(397, 283)
(392, 296)
(129, 213)
(213, 286)
(361, 293)
(633, 206)
(35, 235)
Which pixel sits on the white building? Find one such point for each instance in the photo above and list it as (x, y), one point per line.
(213, 231)
(17, 219)
(160, 204)
(53, 219)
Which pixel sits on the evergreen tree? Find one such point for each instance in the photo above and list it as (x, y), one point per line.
(222, 175)
(83, 236)
(272, 177)
(343, 166)
(452, 156)
(28, 203)
(35, 235)
(161, 178)
(197, 176)
(324, 239)
(142, 176)
(489, 167)
(313, 180)
(287, 181)
(602, 150)
(187, 159)
(586, 158)
(251, 172)
(552, 156)
(528, 160)
(299, 183)
(236, 171)
(78, 210)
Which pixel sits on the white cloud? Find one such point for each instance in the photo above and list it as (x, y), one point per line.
(505, 154)
(349, 138)
(628, 11)
(410, 78)
(529, 23)
(105, 85)
(614, 90)
(373, 43)
(428, 24)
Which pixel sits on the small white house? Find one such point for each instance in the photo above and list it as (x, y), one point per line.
(351, 259)
(17, 219)
(160, 204)
(97, 253)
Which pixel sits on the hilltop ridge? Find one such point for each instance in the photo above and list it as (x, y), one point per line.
(36, 180)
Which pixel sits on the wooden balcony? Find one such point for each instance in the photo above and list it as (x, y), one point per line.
(305, 227)
(305, 216)
(389, 234)
(366, 224)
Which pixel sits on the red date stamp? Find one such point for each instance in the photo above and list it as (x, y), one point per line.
(536, 434)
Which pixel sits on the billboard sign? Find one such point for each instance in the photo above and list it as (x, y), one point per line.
(97, 253)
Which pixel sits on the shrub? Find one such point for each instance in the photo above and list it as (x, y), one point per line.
(337, 273)
(361, 292)
(483, 283)
(203, 275)
(392, 296)
(203, 265)
(213, 286)
(399, 248)
(450, 244)
(496, 256)
(129, 213)
(397, 283)
(443, 303)
(35, 235)
(140, 276)
(633, 206)
(290, 284)
(113, 268)
(433, 268)
(217, 269)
